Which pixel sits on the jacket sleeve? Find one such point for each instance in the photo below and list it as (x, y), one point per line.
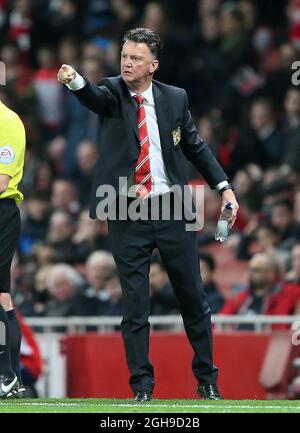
(99, 99)
(197, 151)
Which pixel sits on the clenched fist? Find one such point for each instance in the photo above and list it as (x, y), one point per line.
(66, 74)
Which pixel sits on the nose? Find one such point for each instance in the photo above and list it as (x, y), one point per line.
(127, 63)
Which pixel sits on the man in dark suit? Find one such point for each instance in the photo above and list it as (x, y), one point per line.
(146, 130)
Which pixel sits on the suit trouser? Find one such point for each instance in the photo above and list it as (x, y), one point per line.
(132, 244)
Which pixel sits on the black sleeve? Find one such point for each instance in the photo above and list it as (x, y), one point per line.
(197, 151)
(99, 99)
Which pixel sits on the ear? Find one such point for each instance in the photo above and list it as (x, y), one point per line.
(154, 66)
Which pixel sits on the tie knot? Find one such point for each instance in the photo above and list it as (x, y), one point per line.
(139, 99)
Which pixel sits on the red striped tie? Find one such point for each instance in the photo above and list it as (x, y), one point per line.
(143, 181)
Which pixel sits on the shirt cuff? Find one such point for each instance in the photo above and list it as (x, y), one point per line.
(78, 82)
(221, 185)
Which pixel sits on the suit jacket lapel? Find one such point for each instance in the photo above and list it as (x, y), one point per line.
(163, 120)
(131, 111)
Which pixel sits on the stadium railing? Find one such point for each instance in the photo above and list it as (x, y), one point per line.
(50, 331)
(172, 323)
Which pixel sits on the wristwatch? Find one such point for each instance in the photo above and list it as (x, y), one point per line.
(228, 186)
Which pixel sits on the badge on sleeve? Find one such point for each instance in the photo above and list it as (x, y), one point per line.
(176, 134)
(7, 154)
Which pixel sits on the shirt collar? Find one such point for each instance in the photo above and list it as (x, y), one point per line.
(147, 94)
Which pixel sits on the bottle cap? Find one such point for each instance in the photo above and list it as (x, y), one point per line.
(229, 205)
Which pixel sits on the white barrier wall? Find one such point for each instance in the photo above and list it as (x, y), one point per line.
(53, 381)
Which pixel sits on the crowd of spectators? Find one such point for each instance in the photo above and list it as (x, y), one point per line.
(234, 58)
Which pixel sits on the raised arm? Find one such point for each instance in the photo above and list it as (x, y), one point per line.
(96, 98)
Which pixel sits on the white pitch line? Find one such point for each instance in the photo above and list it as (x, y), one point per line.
(39, 404)
(202, 406)
(207, 406)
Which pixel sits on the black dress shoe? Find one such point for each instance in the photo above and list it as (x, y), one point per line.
(209, 392)
(143, 396)
(18, 392)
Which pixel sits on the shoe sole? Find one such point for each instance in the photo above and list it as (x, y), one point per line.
(17, 393)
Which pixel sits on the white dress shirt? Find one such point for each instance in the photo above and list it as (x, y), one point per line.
(160, 181)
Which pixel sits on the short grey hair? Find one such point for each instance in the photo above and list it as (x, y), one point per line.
(68, 271)
(146, 36)
(102, 257)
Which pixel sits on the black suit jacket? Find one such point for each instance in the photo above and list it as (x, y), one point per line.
(119, 134)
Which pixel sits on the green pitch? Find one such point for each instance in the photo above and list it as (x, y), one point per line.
(155, 406)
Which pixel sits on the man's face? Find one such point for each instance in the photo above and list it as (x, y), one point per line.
(260, 116)
(97, 273)
(62, 289)
(261, 273)
(292, 103)
(281, 217)
(137, 62)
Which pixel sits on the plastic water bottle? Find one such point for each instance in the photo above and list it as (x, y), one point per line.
(222, 229)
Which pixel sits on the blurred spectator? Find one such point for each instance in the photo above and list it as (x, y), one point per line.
(87, 154)
(297, 207)
(155, 18)
(49, 93)
(275, 189)
(294, 274)
(65, 196)
(19, 87)
(266, 293)
(205, 64)
(162, 297)
(279, 81)
(249, 12)
(263, 142)
(266, 236)
(69, 51)
(292, 12)
(55, 151)
(66, 18)
(247, 185)
(90, 235)
(207, 267)
(235, 42)
(282, 218)
(292, 129)
(80, 123)
(20, 26)
(114, 291)
(268, 137)
(126, 15)
(59, 237)
(35, 226)
(97, 16)
(65, 286)
(43, 177)
(99, 265)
